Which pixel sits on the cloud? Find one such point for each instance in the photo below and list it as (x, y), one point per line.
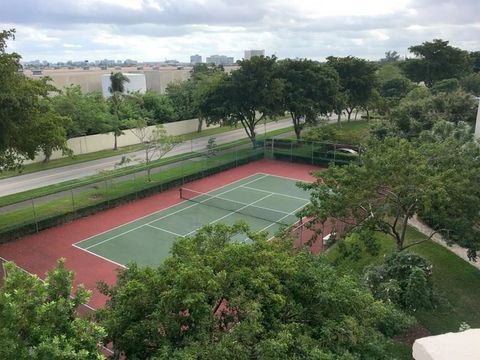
(159, 29)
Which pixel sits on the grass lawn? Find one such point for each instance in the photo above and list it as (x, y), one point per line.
(454, 279)
(76, 159)
(71, 184)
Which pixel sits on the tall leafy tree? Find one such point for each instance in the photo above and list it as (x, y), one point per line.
(89, 113)
(181, 96)
(160, 107)
(28, 123)
(357, 81)
(39, 317)
(248, 95)
(216, 298)
(436, 60)
(395, 181)
(310, 90)
(117, 89)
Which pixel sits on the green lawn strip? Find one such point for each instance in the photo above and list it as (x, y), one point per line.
(454, 279)
(76, 159)
(71, 184)
(113, 190)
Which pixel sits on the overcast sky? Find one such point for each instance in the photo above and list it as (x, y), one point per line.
(148, 30)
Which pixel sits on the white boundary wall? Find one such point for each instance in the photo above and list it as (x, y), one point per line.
(92, 143)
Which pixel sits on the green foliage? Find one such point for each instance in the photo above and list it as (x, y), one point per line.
(27, 122)
(436, 61)
(357, 80)
(471, 84)
(247, 95)
(181, 95)
(159, 106)
(445, 86)
(277, 304)
(396, 88)
(404, 279)
(394, 181)
(39, 320)
(475, 59)
(89, 113)
(420, 111)
(310, 90)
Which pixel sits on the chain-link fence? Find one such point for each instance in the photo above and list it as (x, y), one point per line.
(311, 152)
(62, 203)
(109, 189)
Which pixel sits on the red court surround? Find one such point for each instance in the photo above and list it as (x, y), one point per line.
(39, 252)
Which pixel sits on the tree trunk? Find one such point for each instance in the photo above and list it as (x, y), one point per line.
(339, 118)
(368, 114)
(349, 112)
(356, 113)
(401, 240)
(200, 124)
(115, 147)
(296, 125)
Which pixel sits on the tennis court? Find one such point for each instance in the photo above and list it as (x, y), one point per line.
(265, 202)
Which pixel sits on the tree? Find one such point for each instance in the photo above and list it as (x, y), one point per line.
(394, 182)
(39, 318)
(475, 60)
(26, 117)
(357, 80)
(436, 61)
(310, 90)
(471, 84)
(404, 279)
(181, 96)
(390, 57)
(160, 107)
(156, 142)
(445, 86)
(116, 89)
(89, 113)
(216, 298)
(206, 79)
(247, 95)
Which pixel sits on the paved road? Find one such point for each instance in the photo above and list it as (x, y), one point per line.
(39, 179)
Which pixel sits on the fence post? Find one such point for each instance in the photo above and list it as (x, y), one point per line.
(34, 215)
(73, 200)
(291, 151)
(135, 185)
(312, 151)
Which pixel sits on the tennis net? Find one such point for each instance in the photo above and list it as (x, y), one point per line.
(271, 215)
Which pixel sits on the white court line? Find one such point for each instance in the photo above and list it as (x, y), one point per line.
(162, 229)
(100, 256)
(165, 216)
(274, 193)
(288, 178)
(168, 207)
(231, 213)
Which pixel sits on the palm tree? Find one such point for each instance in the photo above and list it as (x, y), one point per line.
(116, 89)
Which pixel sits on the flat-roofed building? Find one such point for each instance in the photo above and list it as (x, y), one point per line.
(251, 53)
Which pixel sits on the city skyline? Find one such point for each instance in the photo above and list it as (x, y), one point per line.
(151, 30)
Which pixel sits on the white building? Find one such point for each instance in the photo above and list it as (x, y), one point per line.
(195, 59)
(137, 82)
(251, 53)
(220, 60)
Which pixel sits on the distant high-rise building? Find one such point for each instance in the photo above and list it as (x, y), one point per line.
(220, 60)
(251, 53)
(195, 59)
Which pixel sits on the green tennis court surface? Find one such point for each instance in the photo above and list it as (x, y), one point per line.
(265, 202)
